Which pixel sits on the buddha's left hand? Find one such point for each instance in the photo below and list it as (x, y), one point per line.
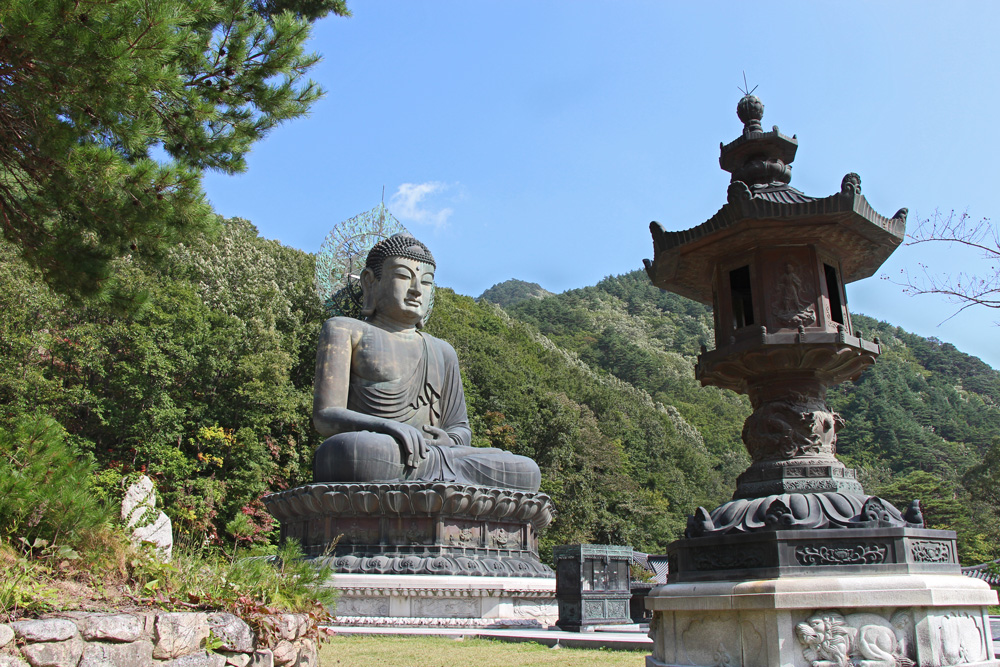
(436, 436)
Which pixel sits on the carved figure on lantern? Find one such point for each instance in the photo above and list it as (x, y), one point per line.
(792, 305)
(390, 396)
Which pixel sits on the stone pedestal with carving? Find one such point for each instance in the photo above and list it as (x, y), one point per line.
(823, 621)
(447, 553)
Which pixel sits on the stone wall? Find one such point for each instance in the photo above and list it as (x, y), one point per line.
(154, 639)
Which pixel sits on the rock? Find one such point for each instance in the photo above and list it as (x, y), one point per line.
(308, 654)
(236, 659)
(112, 627)
(6, 635)
(285, 653)
(54, 653)
(146, 522)
(263, 658)
(233, 632)
(135, 654)
(12, 661)
(179, 633)
(47, 630)
(292, 626)
(199, 659)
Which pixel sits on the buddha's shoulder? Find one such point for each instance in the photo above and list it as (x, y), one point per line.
(342, 325)
(442, 345)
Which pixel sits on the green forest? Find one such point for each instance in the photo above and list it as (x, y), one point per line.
(202, 379)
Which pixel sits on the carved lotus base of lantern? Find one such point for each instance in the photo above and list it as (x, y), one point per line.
(823, 621)
(417, 528)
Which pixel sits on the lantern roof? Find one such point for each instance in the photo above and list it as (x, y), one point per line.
(763, 209)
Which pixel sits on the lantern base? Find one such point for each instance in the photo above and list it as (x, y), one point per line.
(875, 621)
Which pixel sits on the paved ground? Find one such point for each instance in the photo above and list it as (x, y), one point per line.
(626, 637)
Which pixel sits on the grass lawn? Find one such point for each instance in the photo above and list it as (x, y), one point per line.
(419, 651)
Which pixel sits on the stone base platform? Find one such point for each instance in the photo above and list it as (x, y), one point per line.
(927, 620)
(403, 600)
(417, 528)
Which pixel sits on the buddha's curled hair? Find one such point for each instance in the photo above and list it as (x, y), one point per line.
(397, 245)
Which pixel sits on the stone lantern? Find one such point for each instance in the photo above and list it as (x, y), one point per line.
(801, 560)
(592, 585)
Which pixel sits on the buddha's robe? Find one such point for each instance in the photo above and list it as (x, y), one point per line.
(433, 395)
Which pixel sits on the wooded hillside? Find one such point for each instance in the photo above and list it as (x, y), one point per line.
(205, 384)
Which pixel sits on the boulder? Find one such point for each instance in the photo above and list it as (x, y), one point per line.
(236, 659)
(54, 654)
(45, 630)
(146, 522)
(285, 653)
(263, 658)
(112, 628)
(308, 654)
(233, 632)
(135, 654)
(179, 634)
(6, 634)
(199, 659)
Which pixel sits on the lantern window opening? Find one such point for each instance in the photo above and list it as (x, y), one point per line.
(741, 296)
(834, 293)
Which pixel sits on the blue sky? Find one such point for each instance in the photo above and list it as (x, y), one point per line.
(537, 140)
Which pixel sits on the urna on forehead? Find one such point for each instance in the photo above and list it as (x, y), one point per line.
(397, 245)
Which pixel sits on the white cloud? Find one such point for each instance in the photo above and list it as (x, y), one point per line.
(409, 205)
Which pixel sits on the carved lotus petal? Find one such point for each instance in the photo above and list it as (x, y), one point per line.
(298, 505)
(528, 508)
(397, 501)
(483, 503)
(409, 565)
(494, 567)
(336, 502)
(427, 501)
(504, 507)
(347, 564)
(469, 566)
(544, 517)
(315, 497)
(365, 502)
(441, 565)
(277, 506)
(380, 564)
(457, 501)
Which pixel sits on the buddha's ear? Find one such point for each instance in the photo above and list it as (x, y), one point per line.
(368, 281)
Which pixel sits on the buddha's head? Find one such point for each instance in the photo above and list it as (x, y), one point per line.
(398, 280)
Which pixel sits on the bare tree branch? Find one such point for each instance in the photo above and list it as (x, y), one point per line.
(966, 289)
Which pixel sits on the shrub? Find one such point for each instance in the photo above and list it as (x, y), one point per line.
(45, 490)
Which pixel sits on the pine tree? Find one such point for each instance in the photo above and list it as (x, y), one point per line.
(110, 110)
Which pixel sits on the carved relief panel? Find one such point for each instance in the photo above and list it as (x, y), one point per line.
(830, 639)
(791, 288)
(958, 637)
(463, 534)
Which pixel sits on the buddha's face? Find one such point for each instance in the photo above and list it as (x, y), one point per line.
(403, 293)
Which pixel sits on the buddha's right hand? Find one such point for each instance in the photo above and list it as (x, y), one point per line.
(411, 441)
